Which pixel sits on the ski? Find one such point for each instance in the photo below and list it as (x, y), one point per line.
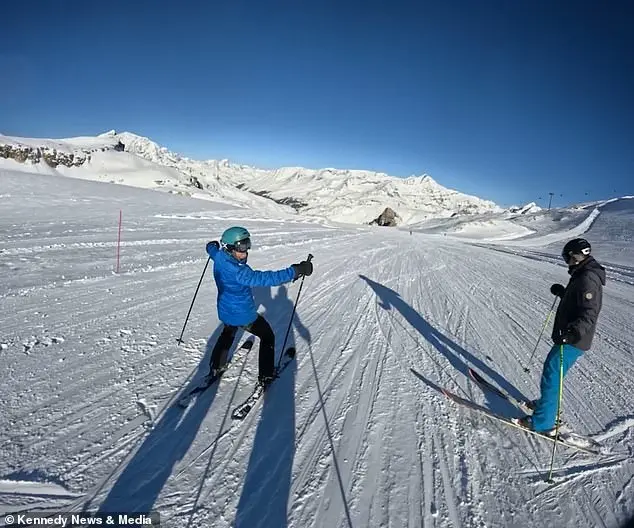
(572, 440)
(185, 400)
(480, 380)
(240, 411)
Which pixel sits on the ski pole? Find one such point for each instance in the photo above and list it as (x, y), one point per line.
(550, 314)
(180, 339)
(560, 397)
(290, 323)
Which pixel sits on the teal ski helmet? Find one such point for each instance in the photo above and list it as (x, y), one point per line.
(236, 238)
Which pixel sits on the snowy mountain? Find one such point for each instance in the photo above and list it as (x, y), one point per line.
(350, 196)
(103, 158)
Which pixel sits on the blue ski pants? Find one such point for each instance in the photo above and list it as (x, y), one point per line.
(545, 414)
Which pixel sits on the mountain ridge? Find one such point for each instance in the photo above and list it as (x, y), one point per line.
(342, 195)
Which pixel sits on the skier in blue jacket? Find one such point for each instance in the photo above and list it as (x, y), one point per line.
(236, 305)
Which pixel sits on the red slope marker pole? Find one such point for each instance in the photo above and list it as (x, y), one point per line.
(119, 240)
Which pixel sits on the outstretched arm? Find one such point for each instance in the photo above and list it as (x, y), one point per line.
(250, 277)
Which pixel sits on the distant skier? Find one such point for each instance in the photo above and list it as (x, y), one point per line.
(236, 306)
(574, 327)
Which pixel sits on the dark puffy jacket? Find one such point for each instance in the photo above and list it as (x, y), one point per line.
(234, 280)
(580, 305)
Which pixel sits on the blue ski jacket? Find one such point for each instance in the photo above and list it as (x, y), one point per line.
(234, 280)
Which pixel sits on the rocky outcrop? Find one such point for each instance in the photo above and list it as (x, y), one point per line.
(195, 182)
(54, 158)
(51, 156)
(20, 154)
(387, 218)
(525, 209)
(291, 202)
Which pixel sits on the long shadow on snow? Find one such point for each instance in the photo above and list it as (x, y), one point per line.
(141, 482)
(267, 483)
(457, 355)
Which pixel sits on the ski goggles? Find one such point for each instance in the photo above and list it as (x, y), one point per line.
(567, 256)
(241, 246)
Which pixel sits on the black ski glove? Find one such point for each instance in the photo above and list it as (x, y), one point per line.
(213, 243)
(303, 268)
(558, 290)
(570, 336)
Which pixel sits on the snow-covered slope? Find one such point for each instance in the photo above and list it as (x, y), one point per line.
(608, 226)
(612, 232)
(355, 433)
(523, 227)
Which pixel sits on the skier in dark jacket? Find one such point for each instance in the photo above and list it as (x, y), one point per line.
(573, 329)
(236, 306)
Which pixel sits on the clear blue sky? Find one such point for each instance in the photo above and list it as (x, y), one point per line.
(508, 100)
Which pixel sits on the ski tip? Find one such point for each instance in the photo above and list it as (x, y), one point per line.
(248, 344)
(475, 375)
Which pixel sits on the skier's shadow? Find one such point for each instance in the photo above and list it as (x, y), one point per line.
(143, 478)
(267, 482)
(459, 358)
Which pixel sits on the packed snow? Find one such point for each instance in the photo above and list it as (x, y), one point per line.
(356, 431)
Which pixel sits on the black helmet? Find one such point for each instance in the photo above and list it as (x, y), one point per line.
(577, 246)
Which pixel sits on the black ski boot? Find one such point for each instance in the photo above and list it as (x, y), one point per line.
(265, 380)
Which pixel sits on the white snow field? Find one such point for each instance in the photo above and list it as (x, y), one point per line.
(355, 432)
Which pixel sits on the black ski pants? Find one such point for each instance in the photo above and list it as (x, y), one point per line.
(259, 328)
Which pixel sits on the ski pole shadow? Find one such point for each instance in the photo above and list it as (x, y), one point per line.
(267, 483)
(427, 382)
(139, 485)
(458, 357)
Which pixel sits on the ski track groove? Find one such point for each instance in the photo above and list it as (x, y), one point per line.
(245, 429)
(303, 482)
(458, 474)
(450, 500)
